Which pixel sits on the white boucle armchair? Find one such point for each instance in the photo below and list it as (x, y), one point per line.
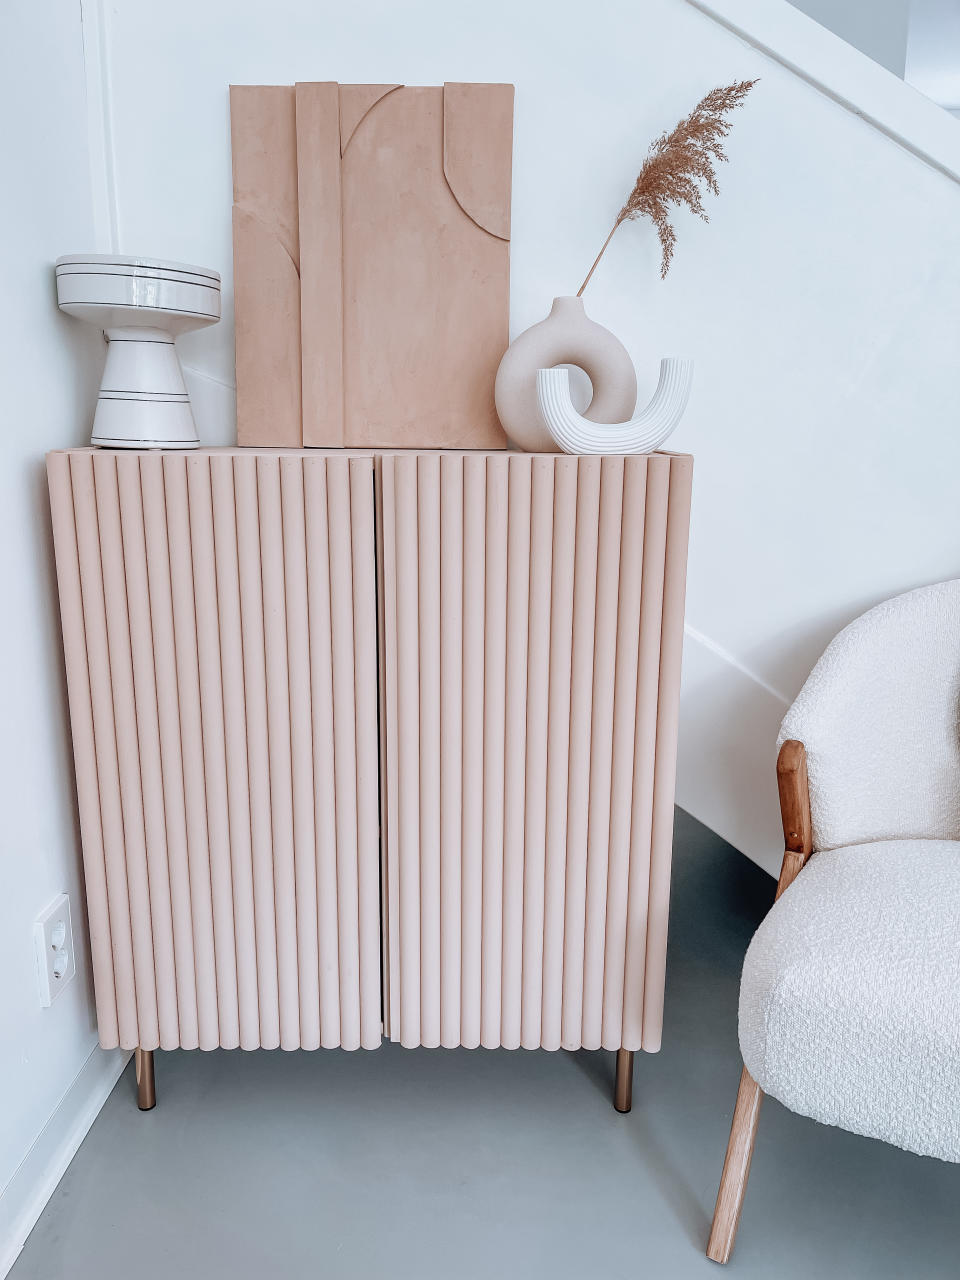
(850, 995)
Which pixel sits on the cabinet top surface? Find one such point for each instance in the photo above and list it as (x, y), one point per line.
(247, 451)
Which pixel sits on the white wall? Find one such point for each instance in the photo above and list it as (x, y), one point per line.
(48, 383)
(819, 304)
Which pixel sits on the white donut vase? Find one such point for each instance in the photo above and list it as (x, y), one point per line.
(566, 336)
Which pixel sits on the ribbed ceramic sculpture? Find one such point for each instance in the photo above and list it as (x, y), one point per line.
(566, 336)
(573, 433)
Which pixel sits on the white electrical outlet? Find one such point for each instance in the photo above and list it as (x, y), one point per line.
(53, 938)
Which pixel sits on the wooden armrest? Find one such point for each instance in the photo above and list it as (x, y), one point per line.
(794, 791)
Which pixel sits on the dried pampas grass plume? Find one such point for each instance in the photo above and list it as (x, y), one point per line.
(675, 166)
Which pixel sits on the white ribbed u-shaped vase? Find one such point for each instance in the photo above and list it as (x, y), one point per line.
(574, 433)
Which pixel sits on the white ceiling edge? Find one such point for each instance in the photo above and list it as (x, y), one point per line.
(933, 51)
(844, 74)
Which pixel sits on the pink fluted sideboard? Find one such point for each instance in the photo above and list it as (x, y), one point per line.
(374, 743)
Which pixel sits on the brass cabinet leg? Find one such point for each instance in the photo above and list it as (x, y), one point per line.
(146, 1089)
(736, 1169)
(623, 1090)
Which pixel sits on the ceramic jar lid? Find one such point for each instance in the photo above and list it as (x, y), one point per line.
(112, 264)
(123, 291)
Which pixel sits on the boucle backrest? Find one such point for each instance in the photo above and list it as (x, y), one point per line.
(880, 718)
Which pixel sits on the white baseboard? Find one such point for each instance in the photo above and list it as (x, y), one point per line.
(726, 767)
(35, 1181)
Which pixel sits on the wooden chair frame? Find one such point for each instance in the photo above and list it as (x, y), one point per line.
(798, 845)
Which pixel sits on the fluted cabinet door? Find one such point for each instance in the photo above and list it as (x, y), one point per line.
(531, 631)
(220, 634)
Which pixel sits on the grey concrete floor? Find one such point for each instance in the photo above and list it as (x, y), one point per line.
(460, 1164)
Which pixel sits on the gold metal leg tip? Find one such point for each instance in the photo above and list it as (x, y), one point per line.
(146, 1087)
(623, 1089)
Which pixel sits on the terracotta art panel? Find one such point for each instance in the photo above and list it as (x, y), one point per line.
(386, 296)
(266, 265)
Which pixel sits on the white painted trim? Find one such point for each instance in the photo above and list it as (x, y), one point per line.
(210, 377)
(24, 1197)
(843, 73)
(726, 656)
(729, 719)
(95, 33)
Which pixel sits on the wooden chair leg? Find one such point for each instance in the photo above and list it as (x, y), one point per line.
(623, 1089)
(736, 1169)
(794, 788)
(146, 1088)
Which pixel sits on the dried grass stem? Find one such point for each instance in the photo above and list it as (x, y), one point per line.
(677, 164)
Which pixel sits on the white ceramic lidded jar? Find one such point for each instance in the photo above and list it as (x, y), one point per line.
(142, 305)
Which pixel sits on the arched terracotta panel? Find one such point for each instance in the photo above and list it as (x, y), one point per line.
(477, 152)
(355, 101)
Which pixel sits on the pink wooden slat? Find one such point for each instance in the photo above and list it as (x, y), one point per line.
(278, 743)
(601, 750)
(391, 748)
(428, 594)
(368, 834)
(383, 793)
(494, 720)
(474, 538)
(84, 745)
(301, 747)
(278, 740)
(451, 742)
(538, 684)
(214, 746)
(235, 742)
(191, 738)
(258, 757)
(578, 785)
(345, 745)
(321, 693)
(648, 674)
(148, 742)
(671, 653)
(168, 719)
(515, 741)
(408, 747)
(624, 726)
(558, 742)
(128, 755)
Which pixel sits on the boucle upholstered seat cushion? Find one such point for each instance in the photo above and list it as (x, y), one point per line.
(850, 998)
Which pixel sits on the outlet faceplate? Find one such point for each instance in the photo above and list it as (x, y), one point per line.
(53, 939)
